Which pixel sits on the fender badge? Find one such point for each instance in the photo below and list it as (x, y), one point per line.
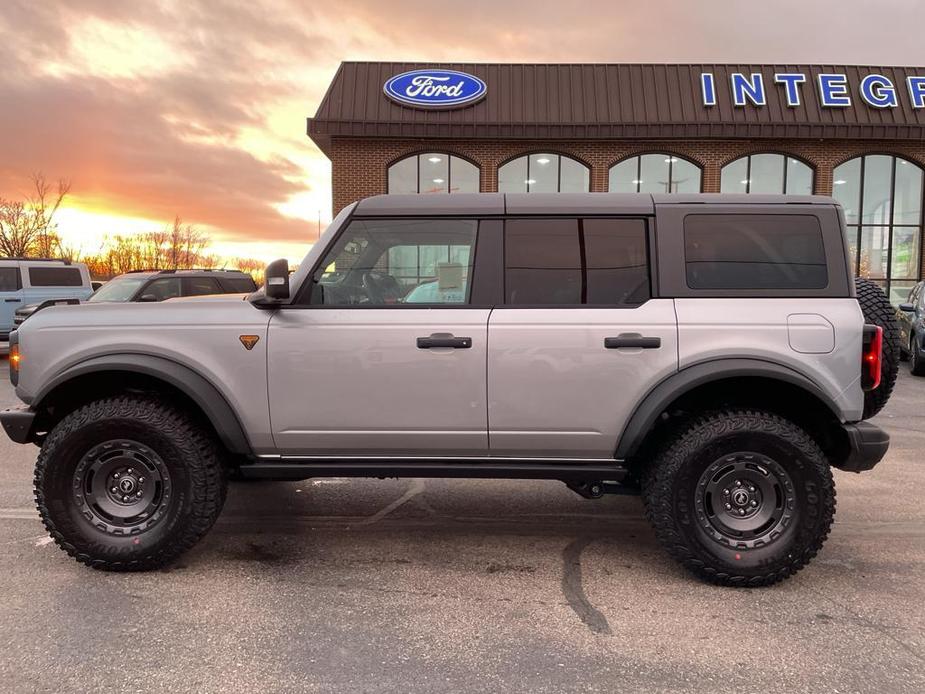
(249, 341)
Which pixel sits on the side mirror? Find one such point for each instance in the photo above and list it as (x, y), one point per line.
(147, 297)
(276, 280)
(907, 308)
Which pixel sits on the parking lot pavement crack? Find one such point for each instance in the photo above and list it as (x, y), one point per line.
(417, 486)
(574, 591)
(879, 628)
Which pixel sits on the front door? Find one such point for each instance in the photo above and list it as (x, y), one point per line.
(383, 353)
(578, 341)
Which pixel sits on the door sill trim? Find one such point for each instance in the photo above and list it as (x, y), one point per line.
(306, 467)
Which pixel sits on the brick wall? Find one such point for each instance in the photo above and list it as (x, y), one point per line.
(359, 165)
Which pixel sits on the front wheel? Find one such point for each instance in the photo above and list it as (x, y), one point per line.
(128, 483)
(741, 498)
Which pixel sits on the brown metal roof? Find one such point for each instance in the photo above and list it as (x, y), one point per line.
(611, 101)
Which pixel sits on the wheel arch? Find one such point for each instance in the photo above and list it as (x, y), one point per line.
(109, 374)
(731, 381)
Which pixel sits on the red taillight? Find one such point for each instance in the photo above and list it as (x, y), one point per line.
(872, 357)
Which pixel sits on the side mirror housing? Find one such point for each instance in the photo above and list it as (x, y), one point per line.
(907, 308)
(276, 280)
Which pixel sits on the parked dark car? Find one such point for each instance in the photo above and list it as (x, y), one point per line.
(911, 315)
(158, 285)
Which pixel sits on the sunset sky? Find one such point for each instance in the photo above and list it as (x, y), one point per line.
(156, 108)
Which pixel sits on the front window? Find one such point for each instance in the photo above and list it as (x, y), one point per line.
(433, 172)
(767, 173)
(544, 173)
(882, 198)
(655, 173)
(398, 261)
(118, 289)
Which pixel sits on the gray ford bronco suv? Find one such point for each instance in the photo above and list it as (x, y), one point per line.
(711, 351)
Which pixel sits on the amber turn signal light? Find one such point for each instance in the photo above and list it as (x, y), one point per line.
(15, 357)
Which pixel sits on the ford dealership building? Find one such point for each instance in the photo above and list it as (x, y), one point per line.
(854, 132)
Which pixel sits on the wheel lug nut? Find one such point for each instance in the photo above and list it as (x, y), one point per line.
(725, 492)
(117, 475)
(737, 483)
(114, 490)
(728, 506)
(138, 495)
(741, 511)
(130, 471)
(141, 480)
(751, 488)
(754, 503)
(125, 499)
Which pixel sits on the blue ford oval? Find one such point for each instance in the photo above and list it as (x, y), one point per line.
(435, 88)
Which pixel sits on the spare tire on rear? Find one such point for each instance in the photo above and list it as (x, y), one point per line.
(878, 310)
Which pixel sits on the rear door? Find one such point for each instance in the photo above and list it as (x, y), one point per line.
(578, 341)
(11, 295)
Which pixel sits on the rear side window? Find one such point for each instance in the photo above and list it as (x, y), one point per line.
(200, 286)
(575, 262)
(238, 284)
(754, 251)
(55, 277)
(9, 279)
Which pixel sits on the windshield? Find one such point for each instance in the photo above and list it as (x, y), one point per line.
(119, 289)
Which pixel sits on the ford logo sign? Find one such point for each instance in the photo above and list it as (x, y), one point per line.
(435, 88)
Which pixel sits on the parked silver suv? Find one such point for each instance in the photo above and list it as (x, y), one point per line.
(712, 348)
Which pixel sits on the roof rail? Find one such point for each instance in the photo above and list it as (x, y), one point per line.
(38, 260)
(184, 269)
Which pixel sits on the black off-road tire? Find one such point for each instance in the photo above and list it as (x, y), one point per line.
(162, 442)
(878, 310)
(708, 448)
(916, 360)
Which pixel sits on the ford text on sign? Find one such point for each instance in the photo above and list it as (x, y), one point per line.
(435, 88)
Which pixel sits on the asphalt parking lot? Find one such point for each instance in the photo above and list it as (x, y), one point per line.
(433, 585)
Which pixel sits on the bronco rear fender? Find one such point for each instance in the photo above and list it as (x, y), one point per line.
(204, 394)
(658, 399)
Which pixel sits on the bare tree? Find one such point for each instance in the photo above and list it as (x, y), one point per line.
(28, 227)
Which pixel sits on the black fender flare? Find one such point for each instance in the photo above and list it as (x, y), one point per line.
(662, 395)
(201, 391)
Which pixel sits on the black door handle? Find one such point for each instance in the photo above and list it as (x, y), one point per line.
(444, 340)
(632, 341)
(12, 301)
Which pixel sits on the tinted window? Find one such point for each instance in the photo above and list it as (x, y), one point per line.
(239, 284)
(200, 286)
(9, 279)
(55, 277)
(160, 289)
(754, 251)
(570, 261)
(398, 261)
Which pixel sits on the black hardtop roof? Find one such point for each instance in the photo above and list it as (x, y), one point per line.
(561, 203)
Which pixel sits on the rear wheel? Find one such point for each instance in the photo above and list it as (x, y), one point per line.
(916, 361)
(128, 483)
(878, 310)
(741, 498)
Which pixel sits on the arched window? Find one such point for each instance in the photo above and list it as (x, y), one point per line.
(655, 173)
(433, 172)
(882, 197)
(767, 173)
(544, 173)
